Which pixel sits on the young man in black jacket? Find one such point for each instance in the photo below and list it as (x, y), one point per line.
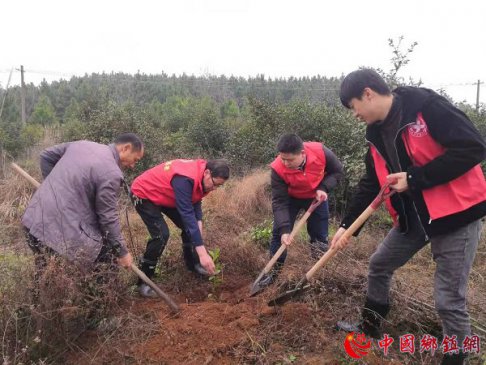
(432, 150)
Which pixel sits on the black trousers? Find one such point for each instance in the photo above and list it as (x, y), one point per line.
(152, 216)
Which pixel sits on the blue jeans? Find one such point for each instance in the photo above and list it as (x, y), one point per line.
(317, 227)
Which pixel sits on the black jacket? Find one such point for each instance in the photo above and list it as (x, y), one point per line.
(449, 127)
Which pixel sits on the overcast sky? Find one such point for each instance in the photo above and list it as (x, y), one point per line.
(277, 38)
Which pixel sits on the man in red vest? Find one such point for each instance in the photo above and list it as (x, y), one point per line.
(432, 150)
(301, 173)
(176, 188)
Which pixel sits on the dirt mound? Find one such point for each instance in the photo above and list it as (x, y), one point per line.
(203, 332)
(210, 331)
(214, 331)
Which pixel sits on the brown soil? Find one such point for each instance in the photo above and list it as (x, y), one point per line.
(232, 328)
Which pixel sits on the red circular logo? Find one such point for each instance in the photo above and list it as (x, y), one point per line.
(356, 346)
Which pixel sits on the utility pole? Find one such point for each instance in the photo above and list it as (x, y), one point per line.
(477, 95)
(22, 94)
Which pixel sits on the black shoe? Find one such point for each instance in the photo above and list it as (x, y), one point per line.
(146, 291)
(360, 327)
(372, 317)
(318, 249)
(198, 269)
(267, 279)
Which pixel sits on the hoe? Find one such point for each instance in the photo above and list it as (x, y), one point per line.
(173, 306)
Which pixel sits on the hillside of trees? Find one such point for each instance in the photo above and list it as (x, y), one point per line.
(208, 116)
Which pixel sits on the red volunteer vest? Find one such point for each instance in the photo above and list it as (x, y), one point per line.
(442, 200)
(303, 184)
(154, 184)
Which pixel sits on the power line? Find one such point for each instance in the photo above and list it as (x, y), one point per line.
(51, 73)
(315, 83)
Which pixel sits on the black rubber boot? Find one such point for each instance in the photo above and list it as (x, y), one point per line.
(372, 317)
(155, 248)
(454, 359)
(191, 258)
(148, 268)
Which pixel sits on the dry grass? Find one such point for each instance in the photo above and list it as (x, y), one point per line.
(230, 213)
(301, 329)
(36, 330)
(15, 193)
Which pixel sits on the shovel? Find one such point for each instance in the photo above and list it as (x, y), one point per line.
(256, 287)
(304, 284)
(173, 306)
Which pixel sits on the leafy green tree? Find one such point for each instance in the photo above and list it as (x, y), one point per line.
(31, 134)
(207, 133)
(73, 112)
(176, 112)
(44, 113)
(230, 110)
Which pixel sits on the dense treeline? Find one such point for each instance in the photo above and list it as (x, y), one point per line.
(178, 107)
(239, 119)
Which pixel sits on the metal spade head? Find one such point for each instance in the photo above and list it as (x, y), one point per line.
(261, 284)
(298, 290)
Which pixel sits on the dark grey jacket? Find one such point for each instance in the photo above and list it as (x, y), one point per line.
(75, 209)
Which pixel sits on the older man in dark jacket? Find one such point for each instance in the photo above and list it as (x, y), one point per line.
(74, 212)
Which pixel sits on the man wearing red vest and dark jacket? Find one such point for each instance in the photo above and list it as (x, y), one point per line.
(176, 189)
(432, 151)
(301, 173)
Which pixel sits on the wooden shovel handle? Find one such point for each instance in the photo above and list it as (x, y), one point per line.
(348, 233)
(384, 193)
(295, 231)
(173, 306)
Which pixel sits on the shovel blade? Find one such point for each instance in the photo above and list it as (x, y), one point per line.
(260, 285)
(299, 289)
(255, 289)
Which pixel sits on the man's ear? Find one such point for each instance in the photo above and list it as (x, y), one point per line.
(367, 93)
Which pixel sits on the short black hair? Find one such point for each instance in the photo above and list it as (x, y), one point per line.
(290, 143)
(131, 138)
(219, 168)
(354, 84)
